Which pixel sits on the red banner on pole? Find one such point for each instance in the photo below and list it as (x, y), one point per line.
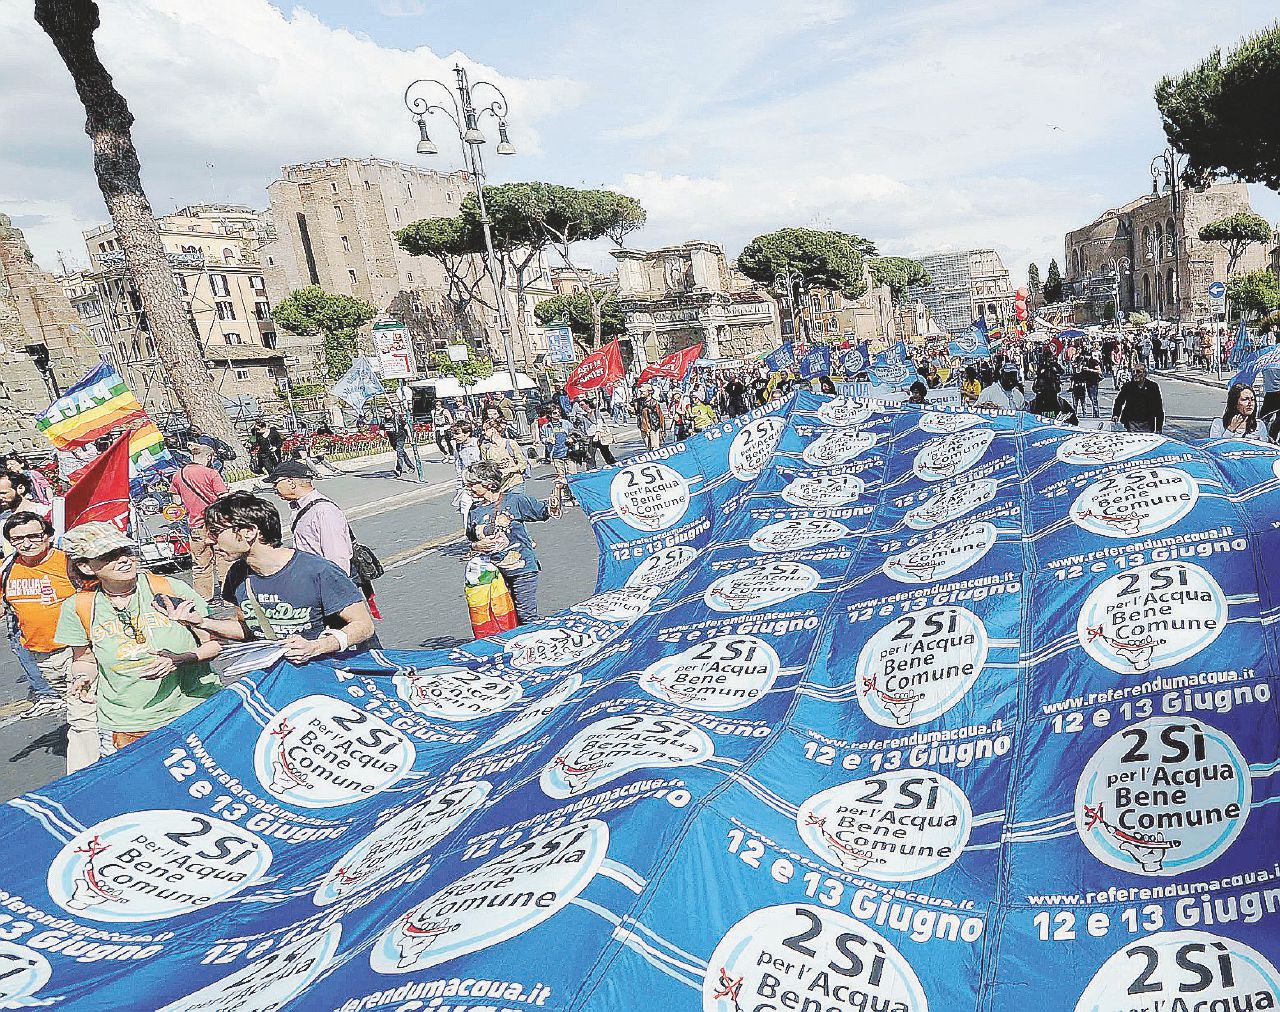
(675, 366)
(101, 489)
(599, 369)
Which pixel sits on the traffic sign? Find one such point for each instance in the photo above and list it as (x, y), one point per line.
(1217, 290)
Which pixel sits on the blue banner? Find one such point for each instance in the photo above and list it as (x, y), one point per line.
(873, 708)
(973, 343)
(358, 384)
(781, 359)
(852, 360)
(816, 361)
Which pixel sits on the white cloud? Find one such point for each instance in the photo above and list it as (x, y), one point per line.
(239, 84)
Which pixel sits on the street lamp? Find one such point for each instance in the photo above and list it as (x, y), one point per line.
(1119, 265)
(785, 281)
(465, 116)
(1169, 166)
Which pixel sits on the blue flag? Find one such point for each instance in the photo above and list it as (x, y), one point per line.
(781, 359)
(1244, 347)
(892, 709)
(852, 360)
(816, 361)
(973, 343)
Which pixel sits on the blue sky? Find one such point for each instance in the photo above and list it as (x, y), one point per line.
(923, 126)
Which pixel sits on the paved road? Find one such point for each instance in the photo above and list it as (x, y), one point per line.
(418, 536)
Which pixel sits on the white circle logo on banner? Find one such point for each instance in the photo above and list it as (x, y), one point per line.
(918, 666)
(844, 412)
(1135, 503)
(772, 958)
(899, 827)
(456, 694)
(649, 497)
(1176, 970)
(760, 586)
(1151, 617)
(941, 422)
(792, 535)
(753, 446)
(320, 752)
(823, 490)
(943, 556)
(1106, 447)
(949, 456)
(611, 748)
(500, 899)
(838, 446)
(722, 673)
(662, 566)
(142, 866)
(1163, 797)
(951, 504)
(402, 838)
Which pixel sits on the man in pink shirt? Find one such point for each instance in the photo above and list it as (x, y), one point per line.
(318, 523)
(198, 485)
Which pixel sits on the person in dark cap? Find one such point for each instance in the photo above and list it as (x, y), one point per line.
(319, 525)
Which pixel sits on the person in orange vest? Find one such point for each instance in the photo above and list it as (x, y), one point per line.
(33, 585)
(145, 668)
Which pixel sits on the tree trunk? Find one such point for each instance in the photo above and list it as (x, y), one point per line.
(597, 322)
(71, 24)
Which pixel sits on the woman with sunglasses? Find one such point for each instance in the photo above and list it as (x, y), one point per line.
(145, 668)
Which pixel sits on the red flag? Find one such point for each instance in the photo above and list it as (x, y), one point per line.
(101, 491)
(675, 366)
(599, 369)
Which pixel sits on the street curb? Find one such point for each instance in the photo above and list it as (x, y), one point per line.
(1204, 381)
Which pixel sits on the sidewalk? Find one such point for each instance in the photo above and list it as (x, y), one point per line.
(1204, 377)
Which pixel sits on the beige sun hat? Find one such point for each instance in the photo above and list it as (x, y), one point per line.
(94, 540)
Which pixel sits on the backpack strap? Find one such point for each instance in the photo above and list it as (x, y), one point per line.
(84, 609)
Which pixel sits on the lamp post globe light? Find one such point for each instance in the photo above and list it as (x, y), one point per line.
(1168, 167)
(461, 110)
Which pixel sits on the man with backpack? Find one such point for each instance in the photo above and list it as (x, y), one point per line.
(650, 418)
(319, 525)
(198, 484)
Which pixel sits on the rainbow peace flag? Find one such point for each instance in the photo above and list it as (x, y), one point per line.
(97, 405)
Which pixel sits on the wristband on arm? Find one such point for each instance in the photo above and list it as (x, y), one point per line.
(341, 636)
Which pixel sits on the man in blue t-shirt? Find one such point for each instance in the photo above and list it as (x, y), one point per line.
(304, 601)
(495, 527)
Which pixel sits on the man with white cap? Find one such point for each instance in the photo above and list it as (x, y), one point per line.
(1005, 393)
(145, 668)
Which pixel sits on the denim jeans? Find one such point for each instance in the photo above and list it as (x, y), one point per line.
(524, 593)
(403, 460)
(31, 670)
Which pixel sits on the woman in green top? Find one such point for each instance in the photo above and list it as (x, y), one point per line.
(146, 668)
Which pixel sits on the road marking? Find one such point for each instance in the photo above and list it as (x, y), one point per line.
(409, 555)
(416, 495)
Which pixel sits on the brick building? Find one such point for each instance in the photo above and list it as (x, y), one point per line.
(37, 325)
(1130, 251)
(216, 254)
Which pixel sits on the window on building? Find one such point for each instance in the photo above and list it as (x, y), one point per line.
(218, 282)
(366, 184)
(228, 255)
(409, 275)
(233, 338)
(346, 244)
(831, 302)
(1146, 242)
(182, 283)
(351, 275)
(226, 310)
(257, 282)
(1146, 291)
(337, 212)
(262, 310)
(242, 374)
(333, 187)
(1170, 236)
(448, 195)
(269, 339)
(409, 190)
(397, 213)
(1158, 244)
